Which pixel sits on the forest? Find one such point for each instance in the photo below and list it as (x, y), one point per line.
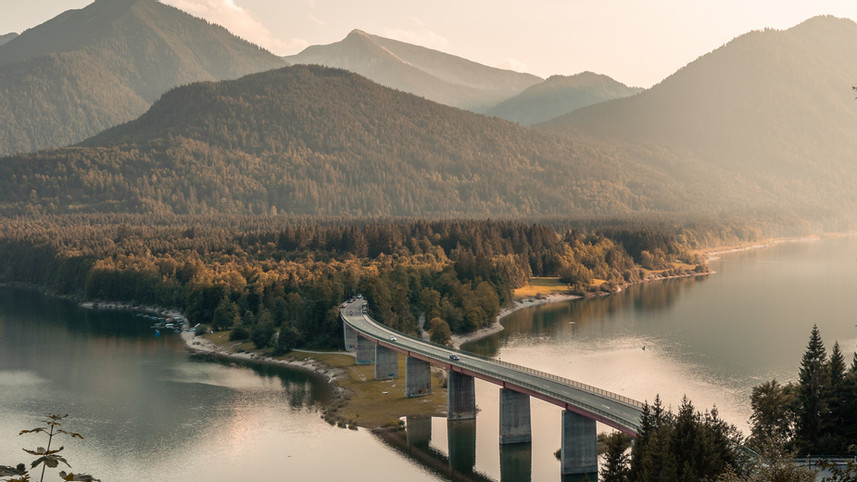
(268, 276)
(313, 141)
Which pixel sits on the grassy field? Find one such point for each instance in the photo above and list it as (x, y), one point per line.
(544, 286)
(377, 403)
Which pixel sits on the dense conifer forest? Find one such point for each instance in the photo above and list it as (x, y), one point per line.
(288, 275)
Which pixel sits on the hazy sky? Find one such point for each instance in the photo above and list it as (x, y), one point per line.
(635, 42)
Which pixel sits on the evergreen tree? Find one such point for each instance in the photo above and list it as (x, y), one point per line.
(836, 399)
(684, 447)
(813, 386)
(616, 460)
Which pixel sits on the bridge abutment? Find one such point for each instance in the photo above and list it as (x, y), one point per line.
(579, 451)
(350, 336)
(515, 426)
(386, 363)
(365, 351)
(417, 377)
(460, 397)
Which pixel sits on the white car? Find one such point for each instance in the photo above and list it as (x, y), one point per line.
(392, 338)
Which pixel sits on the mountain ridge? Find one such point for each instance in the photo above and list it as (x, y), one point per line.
(559, 95)
(422, 71)
(88, 69)
(774, 105)
(320, 141)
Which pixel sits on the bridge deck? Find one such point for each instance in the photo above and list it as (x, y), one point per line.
(615, 410)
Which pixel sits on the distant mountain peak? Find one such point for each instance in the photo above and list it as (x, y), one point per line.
(559, 95)
(429, 73)
(358, 33)
(91, 68)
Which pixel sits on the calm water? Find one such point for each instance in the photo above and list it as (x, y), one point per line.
(711, 338)
(148, 407)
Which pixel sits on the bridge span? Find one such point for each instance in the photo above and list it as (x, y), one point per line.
(583, 404)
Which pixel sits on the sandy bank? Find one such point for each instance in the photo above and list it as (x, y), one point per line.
(496, 327)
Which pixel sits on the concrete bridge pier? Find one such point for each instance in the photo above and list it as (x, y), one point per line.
(460, 397)
(350, 335)
(579, 451)
(417, 377)
(386, 363)
(365, 351)
(515, 427)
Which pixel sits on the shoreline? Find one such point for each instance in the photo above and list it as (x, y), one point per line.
(714, 255)
(337, 376)
(200, 345)
(497, 327)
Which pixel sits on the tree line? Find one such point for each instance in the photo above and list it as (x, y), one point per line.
(280, 279)
(810, 417)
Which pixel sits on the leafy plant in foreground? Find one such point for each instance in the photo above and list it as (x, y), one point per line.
(46, 456)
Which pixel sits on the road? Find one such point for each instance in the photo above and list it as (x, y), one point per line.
(619, 412)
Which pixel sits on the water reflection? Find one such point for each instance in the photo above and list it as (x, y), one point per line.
(458, 462)
(516, 462)
(149, 409)
(585, 317)
(710, 338)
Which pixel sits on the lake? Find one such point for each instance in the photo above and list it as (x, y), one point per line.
(147, 406)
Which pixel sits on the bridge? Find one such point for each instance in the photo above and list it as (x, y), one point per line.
(583, 405)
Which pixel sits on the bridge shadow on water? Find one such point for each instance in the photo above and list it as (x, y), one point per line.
(458, 464)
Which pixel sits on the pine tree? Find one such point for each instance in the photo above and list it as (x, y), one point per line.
(836, 394)
(813, 384)
(615, 467)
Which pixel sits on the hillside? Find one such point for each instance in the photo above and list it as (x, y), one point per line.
(421, 71)
(89, 69)
(775, 107)
(560, 95)
(313, 140)
(7, 37)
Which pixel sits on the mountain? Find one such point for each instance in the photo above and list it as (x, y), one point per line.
(774, 107)
(89, 69)
(560, 95)
(7, 37)
(321, 141)
(421, 71)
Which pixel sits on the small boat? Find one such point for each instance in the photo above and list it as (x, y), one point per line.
(157, 332)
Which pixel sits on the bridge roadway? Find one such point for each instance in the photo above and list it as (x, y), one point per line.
(617, 411)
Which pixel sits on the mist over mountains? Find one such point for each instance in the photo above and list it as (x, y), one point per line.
(320, 141)
(763, 124)
(89, 69)
(775, 107)
(560, 95)
(418, 70)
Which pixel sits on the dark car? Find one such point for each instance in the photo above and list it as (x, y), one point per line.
(454, 357)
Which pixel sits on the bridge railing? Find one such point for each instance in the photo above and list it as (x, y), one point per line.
(570, 382)
(604, 414)
(530, 371)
